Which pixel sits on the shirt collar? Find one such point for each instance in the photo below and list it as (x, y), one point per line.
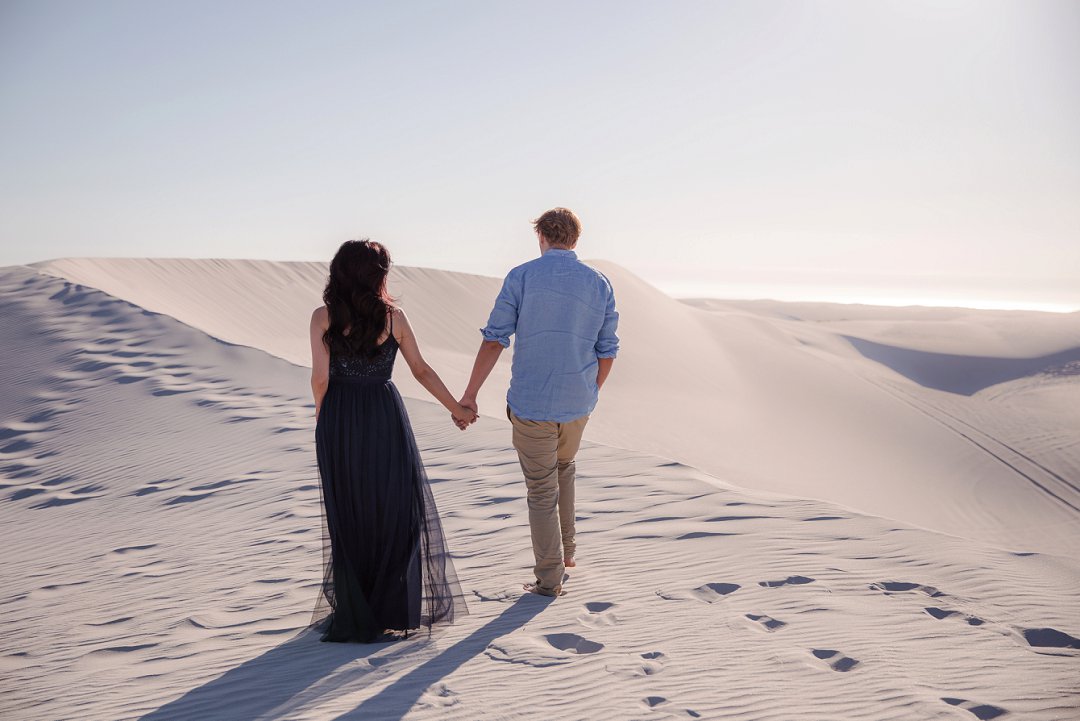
(561, 251)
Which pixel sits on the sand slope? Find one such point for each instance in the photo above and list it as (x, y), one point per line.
(936, 417)
(160, 517)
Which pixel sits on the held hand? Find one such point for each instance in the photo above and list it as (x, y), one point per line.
(470, 403)
(463, 417)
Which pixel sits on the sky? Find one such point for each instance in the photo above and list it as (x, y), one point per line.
(915, 151)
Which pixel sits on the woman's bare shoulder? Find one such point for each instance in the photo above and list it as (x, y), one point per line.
(400, 321)
(320, 316)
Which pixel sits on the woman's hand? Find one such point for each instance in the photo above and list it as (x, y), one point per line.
(463, 417)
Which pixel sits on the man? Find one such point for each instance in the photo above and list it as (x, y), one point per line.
(563, 313)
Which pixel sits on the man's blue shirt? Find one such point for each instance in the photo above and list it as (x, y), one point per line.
(563, 313)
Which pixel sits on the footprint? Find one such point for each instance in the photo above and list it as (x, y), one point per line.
(709, 593)
(712, 592)
(652, 662)
(500, 596)
(16, 447)
(983, 711)
(599, 614)
(940, 613)
(25, 492)
(62, 500)
(891, 587)
(527, 651)
(188, 498)
(789, 581)
(1049, 638)
(835, 660)
(636, 665)
(440, 695)
(155, 486)
(572, 643)
(59, 481)
(660, 703)
(214, 485)
(767, 622)
(91, 488)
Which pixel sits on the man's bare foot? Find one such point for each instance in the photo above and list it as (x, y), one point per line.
(569, 562)
(535, 589)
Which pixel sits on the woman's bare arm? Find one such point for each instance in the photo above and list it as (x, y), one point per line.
(425, 374)
(320, 356)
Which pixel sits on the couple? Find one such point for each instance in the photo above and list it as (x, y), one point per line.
(387, 568)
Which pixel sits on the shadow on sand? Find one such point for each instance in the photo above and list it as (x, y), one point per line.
(395, 700)
(963, 375)
(304, 669)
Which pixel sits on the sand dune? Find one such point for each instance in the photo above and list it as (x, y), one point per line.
(777, 398)
(160, 522)
(1000, 333)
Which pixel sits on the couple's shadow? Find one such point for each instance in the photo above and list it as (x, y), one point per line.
(304, 669)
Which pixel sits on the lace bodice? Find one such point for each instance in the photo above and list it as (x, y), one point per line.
(379, 367)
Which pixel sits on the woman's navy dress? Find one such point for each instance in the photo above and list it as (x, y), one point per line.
(386, 563)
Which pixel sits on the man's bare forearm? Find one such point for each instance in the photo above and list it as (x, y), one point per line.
(603, 368)
(486, 358)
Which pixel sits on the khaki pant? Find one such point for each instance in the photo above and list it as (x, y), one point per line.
(546, 450)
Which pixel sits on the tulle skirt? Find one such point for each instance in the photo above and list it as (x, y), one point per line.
(386, 565)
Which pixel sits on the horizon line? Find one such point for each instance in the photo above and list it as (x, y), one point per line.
(893, 301)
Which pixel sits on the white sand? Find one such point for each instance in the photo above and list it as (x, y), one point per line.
(160, 513)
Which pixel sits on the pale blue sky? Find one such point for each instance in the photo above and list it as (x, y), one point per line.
(916, 149)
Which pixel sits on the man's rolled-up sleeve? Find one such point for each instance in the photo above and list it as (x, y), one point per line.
(502, 323)
(607, 343)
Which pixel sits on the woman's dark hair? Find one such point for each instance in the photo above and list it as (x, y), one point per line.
(356, 298)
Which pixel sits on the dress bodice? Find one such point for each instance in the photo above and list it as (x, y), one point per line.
(381, 367)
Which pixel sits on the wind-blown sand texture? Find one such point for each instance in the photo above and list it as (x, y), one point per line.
(160, 511)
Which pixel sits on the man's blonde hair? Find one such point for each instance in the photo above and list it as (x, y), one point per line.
(559, 226)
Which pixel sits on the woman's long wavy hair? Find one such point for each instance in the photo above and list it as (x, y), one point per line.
(356, 298)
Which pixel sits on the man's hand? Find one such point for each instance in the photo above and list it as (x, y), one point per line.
(468, 414)
(470, 402)
(603, 368)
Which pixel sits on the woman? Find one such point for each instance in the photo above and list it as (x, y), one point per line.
(386, 564)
